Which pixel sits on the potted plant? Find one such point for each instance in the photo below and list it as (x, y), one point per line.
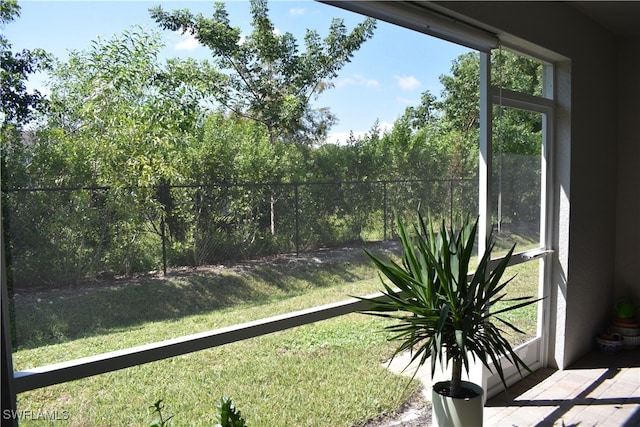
(444, 313)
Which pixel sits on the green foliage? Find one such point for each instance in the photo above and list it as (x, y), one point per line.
(70, 236)
(18, 107)
(239, 150)
(18, 104)
(264, 77)
(461, 94)
(160, 420)
(440, 313)
(121, 115)
(228, 415)
(122, 120)
(424, 114)
(516, 72)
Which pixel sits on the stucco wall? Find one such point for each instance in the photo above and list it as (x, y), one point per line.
(584, 268)
(627, 266)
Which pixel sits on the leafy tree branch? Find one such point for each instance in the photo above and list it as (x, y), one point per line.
(267, 78)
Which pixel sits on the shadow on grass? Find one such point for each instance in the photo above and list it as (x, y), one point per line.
(525, 235)
(61, 315)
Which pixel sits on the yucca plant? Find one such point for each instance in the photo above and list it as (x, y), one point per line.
(441, 313)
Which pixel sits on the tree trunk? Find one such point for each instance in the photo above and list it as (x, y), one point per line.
(455, 388)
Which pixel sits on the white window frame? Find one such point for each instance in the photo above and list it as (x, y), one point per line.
(534, 352)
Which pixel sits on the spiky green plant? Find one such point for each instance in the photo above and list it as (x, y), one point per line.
(441, 313)
(228, 415)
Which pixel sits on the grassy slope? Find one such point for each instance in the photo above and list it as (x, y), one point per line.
(324, 374)
(328, 373)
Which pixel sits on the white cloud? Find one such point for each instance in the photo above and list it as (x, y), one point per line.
(357, 80)
(296, 11)
(408, 82)
(188, 43)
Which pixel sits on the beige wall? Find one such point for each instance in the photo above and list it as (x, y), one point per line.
(587, 157)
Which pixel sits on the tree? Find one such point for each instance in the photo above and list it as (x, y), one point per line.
(120, 118)
(461, 93)
(18, 104)
(18, 108)
(517, 133)
(424, 113)
(234, 207)
(516, 72)
(263, 76)
(124, 118)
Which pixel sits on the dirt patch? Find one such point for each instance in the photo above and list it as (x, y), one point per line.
(415, 412)
(354, 253)
(324, 256)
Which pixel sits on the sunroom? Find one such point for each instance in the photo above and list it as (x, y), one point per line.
(588, 224)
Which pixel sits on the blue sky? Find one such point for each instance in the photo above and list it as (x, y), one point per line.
(387, 74)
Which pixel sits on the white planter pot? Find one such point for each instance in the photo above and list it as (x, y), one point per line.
(452, 412)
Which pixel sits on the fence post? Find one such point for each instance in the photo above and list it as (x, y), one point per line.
(297, 220)
(384, 210)
(164, 247)
(451, 201)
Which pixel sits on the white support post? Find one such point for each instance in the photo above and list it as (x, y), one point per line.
(485, 166)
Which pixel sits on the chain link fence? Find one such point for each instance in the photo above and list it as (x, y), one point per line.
(68, 235)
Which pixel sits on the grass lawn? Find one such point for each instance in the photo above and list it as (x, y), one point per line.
(524, 284)
(325, 374)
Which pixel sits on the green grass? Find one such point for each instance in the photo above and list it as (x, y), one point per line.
(525, 283)
(65, 315)
(325, 374)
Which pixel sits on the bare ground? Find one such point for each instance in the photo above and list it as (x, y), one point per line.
(323, 256)
(415, 412)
